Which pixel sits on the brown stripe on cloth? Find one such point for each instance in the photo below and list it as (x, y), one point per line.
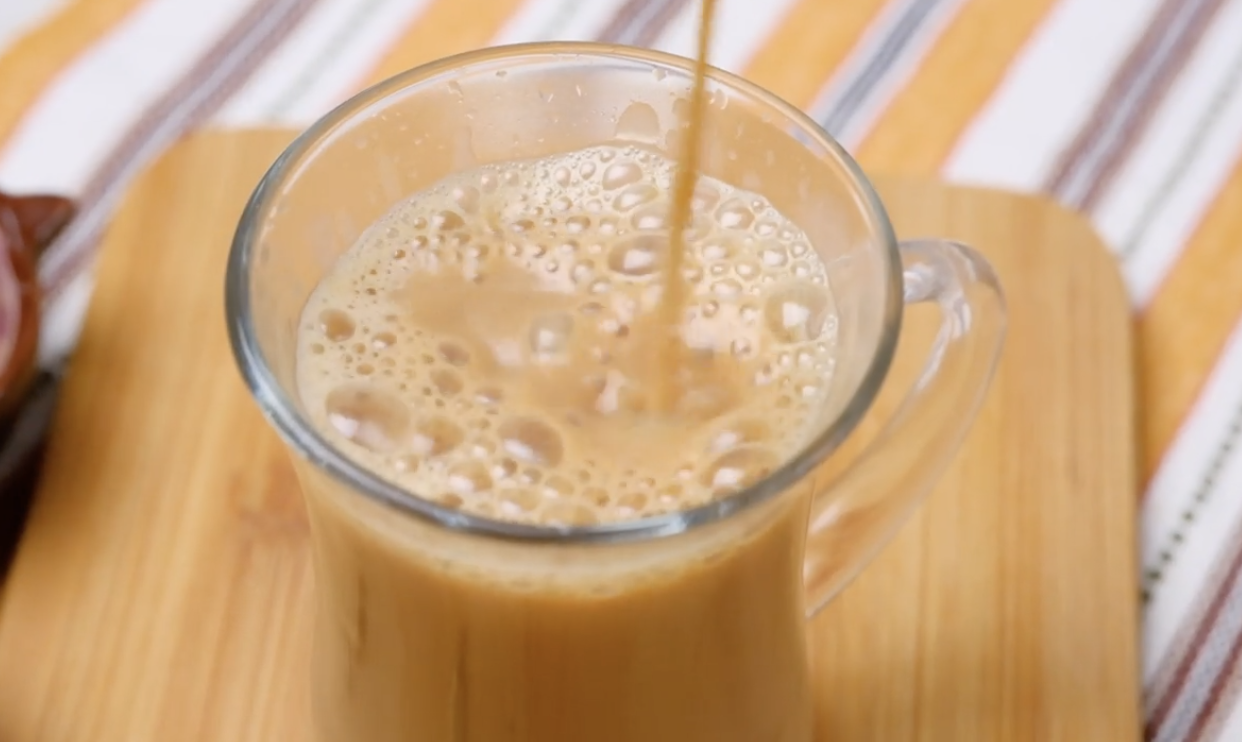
(1173, 679)
(198, 94)
(1133, 127)
(1120, 84)
(1221, 696)
(650, 32)
(444, 28)
(632, 16)
(1086, 168)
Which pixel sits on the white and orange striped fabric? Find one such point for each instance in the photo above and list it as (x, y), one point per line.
(1128, 110)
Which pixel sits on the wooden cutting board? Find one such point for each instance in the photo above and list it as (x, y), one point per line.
(162, 590)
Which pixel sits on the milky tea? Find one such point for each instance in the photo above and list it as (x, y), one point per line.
(489, 345)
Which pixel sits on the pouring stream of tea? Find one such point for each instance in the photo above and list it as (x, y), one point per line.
(672, 305)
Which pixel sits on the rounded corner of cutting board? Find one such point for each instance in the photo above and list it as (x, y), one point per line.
(1075, 236)
(1086, 240)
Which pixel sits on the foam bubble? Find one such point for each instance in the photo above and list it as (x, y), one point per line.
(650, 217)
(453, 354)
(727, 288)
(632, 504)
(405, 463)
(796, 311)
(469, 478)
(489, 396)
(635, 195)
(336, 324)
(557, 486)
(582, 272)
(369, 416)
(519, 501)
(723, 248)
(467, 198)
(637, 256)
(746, 268)
(706, 196)
(531, 440)
(446, 221)
(735, 214)
(621, 174)
(739, 432)
(597, 496)
(435, 435)
(739, 468)
(577, 224)
(446, 381)
(549, 334)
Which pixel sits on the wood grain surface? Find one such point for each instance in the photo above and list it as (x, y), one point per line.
(162, 591)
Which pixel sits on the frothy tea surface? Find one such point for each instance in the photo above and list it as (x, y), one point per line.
(490, 343)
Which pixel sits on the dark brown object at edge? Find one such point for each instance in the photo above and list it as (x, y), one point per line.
(28, 225)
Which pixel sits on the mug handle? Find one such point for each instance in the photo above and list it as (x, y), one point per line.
(853, 517)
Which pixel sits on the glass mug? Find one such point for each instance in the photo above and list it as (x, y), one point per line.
(436, 625)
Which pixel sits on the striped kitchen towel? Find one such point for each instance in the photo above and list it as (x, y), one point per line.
(1127, 110)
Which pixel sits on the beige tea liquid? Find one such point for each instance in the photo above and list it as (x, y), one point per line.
(494, 345)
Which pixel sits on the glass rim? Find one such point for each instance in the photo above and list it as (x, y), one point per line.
(283, 413)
